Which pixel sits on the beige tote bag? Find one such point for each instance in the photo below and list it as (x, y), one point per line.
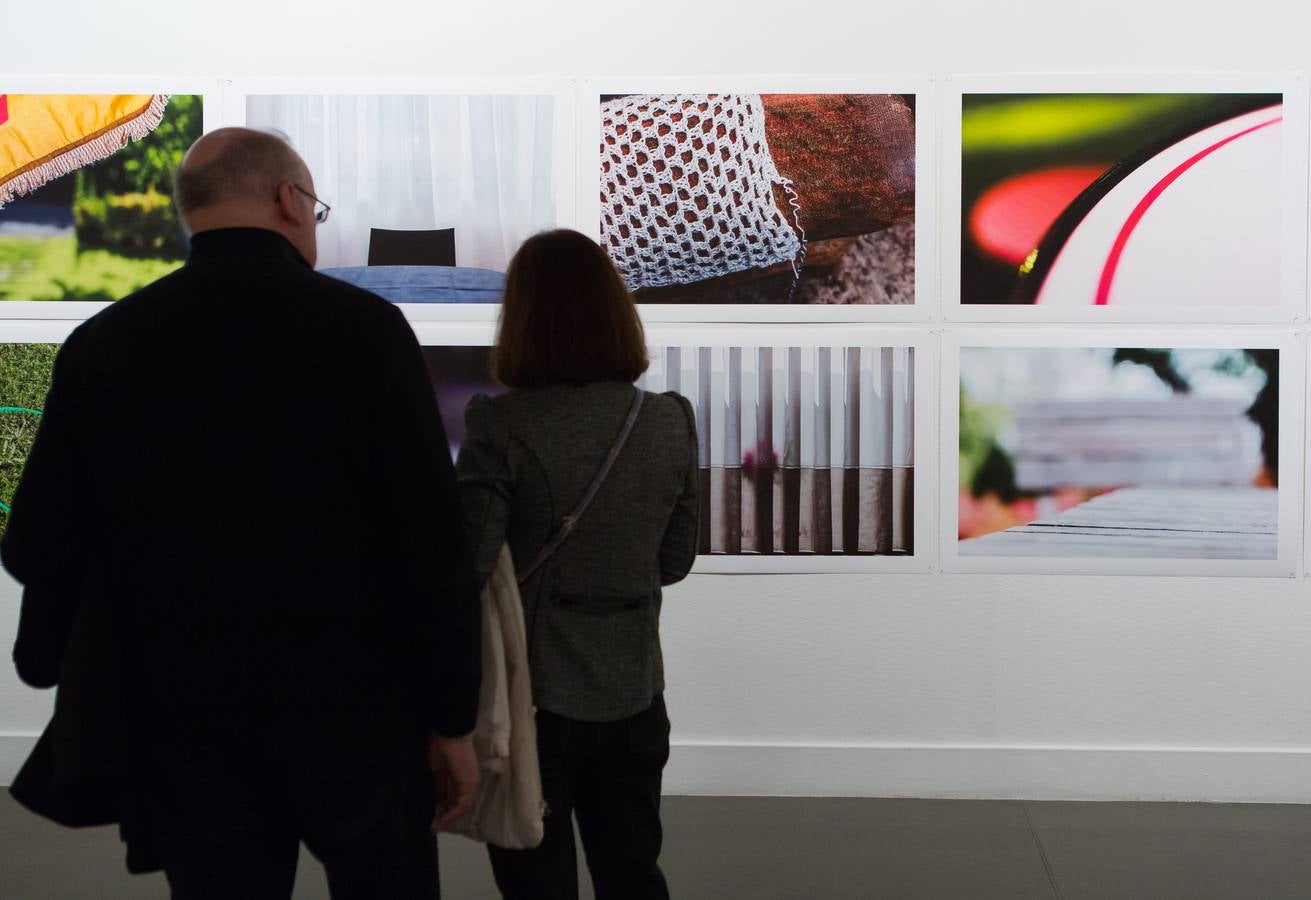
(507, 808)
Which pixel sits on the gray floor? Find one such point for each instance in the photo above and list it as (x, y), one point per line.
(830, 849)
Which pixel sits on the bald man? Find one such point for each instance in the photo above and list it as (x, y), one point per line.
(246, 459)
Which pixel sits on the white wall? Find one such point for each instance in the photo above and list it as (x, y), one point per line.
(929, 686)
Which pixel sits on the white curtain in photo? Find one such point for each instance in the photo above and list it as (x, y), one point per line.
(479, 164)
(802, 450)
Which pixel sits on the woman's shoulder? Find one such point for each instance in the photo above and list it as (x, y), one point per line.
(484, 415)
(536, 405)
(673, 404)
(479, 408)
(515, 410)
(504, 405)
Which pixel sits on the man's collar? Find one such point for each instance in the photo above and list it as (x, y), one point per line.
(242, 243)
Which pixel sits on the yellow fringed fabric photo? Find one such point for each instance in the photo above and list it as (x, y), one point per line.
(44, 136)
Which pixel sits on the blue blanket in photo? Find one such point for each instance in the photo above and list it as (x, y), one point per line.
(424, 284)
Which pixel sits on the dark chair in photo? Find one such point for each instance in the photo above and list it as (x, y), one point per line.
(411, 248)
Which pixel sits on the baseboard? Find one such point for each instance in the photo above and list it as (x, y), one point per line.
(956, 771)
(990, 772)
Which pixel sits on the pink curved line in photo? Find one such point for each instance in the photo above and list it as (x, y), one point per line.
(4, 108)
(1117, 249)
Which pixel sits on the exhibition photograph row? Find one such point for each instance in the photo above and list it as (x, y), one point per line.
(1146, 199)
(899, 449)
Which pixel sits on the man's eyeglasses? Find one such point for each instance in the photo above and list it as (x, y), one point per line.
(320, 215)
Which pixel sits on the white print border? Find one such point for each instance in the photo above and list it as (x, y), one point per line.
(1292, 307)
(565, 166)
(1286, 563)
(592, 88)
(1303, 457)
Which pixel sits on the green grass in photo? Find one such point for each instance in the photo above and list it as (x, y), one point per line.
(25, 371)
(36, 268)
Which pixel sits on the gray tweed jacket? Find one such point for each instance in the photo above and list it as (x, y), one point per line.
(593, 610)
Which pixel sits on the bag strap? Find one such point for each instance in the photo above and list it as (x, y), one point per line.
(567, 524)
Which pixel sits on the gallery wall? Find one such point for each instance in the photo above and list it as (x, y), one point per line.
(860, 683)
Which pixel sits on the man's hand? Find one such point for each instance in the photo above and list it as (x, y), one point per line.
(454, 768)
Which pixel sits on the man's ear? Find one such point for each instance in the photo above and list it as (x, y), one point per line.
(290, 209)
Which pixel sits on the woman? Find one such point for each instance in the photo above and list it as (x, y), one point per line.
(570, 345)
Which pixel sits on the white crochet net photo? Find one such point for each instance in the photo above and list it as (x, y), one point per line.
(687, 189)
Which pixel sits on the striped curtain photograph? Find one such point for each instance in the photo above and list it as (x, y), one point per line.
(803, 450)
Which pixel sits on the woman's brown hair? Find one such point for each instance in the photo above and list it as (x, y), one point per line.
(566, 317)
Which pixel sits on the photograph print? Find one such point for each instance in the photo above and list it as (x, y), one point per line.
(741, 199)
(1144, 203)
(430, 195)
(86, 185)
(803, 451)
(25, 371)
(1119, 452)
